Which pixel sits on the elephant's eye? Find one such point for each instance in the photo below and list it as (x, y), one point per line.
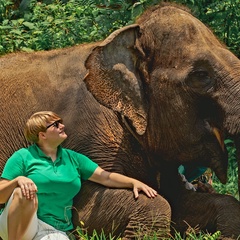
(200, 81)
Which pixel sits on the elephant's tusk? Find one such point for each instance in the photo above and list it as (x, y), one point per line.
(219, 137)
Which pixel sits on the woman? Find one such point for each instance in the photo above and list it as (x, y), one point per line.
(47, 173)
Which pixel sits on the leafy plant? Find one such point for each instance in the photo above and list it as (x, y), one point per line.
(57, 25)
(4, 9)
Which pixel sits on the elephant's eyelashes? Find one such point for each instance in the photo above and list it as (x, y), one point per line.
(200, 81)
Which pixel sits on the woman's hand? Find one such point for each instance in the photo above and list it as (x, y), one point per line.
(27, 186)
(139, 186)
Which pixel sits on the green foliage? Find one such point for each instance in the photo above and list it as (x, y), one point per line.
(57, 25)
(4, 13)
(139, 6)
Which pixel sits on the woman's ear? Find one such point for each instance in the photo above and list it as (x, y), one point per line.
(41, 135)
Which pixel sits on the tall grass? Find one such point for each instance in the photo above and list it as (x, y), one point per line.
(191, 234)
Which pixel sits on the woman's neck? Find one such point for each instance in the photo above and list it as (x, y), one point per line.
(49, 151)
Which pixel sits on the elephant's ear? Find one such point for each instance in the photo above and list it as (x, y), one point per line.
(113, 78)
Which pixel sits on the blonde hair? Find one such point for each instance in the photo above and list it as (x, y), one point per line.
(38, 123)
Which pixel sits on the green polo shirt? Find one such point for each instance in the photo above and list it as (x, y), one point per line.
(57, 182)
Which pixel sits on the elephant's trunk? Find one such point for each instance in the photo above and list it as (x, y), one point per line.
(228, 97)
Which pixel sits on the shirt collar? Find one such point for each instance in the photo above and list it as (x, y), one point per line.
(42, 154)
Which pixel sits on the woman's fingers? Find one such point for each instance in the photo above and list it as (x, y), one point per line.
(151, 193)
(135, 191)
(28, 187)
(29, 190)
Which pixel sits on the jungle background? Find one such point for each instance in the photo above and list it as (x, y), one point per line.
(31, 25)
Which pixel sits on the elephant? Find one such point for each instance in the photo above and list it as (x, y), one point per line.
(152, 96)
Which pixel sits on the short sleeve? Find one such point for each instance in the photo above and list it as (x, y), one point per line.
(86, 166)
(14, 166)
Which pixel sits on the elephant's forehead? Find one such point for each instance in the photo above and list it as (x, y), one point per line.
(170, 24)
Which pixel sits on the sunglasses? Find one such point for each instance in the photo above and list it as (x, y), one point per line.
(55, 124)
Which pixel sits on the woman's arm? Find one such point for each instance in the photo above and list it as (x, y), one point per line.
(116, 180)
(27, 186)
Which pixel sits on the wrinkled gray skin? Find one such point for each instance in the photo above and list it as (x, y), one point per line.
(152, 96)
